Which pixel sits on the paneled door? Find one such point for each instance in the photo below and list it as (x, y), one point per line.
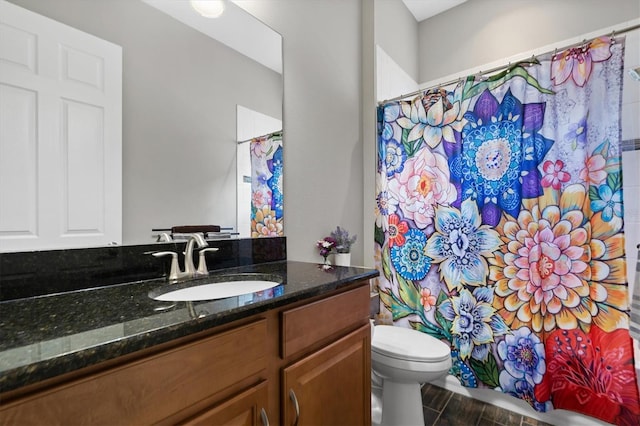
(60, 135)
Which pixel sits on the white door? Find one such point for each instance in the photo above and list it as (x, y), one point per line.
(60, 135)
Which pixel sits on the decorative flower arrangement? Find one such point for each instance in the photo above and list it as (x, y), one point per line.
(342, 240)
(339, 240)
(325, 245)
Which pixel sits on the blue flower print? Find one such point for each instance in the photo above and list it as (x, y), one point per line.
(460, 244)
(523, 355)
(522, 389)
(608, 202)
(394, 157)
(462, 371)
(497, 164)
(262, 179)
(409, 259)
(390, 114)
(386, 116)
(577, 133)
(275, 182)
(475, 322)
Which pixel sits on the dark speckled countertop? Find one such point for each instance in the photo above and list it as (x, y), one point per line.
(45, 336)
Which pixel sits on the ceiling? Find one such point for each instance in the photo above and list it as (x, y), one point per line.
(258, 41)
(235, 28)
(423, 9)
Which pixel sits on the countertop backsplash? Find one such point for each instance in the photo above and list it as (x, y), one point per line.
(37, 273)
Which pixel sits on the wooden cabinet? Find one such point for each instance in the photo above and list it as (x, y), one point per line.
(165, 387)
(332, 385)
(244, 373)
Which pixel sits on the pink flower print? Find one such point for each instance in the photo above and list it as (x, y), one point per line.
(552, 266)
(259, 146)
(593, 172)
(422, 185)
(261, 198)
(550, 272)
(577, 62)
(427, 299)
(554, 177)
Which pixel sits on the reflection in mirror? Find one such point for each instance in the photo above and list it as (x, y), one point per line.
(180, 89)
(259, 175)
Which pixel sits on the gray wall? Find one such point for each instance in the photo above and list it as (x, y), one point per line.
(180, 90)
(397, 34)
(369, 129)
(322, 135)
(478, 32)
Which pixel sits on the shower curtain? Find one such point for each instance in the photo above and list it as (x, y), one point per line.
(266, 186)
(499, 229)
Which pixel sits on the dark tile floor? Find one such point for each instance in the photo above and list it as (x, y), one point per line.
(445, 408)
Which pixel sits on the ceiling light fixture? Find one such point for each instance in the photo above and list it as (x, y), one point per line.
(208, 8)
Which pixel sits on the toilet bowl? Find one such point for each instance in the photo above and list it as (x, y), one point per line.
(405, 359)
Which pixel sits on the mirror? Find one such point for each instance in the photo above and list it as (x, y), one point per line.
(180, 95)
(259, 175)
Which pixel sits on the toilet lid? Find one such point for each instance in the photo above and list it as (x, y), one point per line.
(408, 344)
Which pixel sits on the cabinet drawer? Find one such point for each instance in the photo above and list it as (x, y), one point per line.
(151, 389)
(314, 322)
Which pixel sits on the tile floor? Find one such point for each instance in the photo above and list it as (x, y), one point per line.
(445, 408)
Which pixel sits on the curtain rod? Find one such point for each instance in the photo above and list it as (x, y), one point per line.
(261, 136)
(501, 67)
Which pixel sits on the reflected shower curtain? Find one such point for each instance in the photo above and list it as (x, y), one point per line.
(499, 229)
(266, 186)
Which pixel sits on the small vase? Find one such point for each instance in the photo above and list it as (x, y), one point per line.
(342, 259)
(326, 261)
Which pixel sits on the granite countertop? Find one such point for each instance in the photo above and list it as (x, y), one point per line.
(46, 336)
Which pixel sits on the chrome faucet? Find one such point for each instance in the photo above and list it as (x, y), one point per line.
(196, 238)
(190, 270)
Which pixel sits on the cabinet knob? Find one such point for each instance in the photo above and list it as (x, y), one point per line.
(292, 396)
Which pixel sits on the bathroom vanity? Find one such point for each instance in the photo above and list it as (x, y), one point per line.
(296, 353)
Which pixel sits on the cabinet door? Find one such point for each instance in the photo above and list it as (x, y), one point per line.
(245, 409)
(331, 386)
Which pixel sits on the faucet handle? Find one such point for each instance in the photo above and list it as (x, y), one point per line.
(164, 237)
(202, 261)
(175, 269)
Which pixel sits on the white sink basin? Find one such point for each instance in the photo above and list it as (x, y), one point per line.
(217, 290)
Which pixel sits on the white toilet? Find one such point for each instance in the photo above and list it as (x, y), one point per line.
(404, 359)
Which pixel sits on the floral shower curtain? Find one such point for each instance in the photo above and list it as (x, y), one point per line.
(499, 229)
(266, 186)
